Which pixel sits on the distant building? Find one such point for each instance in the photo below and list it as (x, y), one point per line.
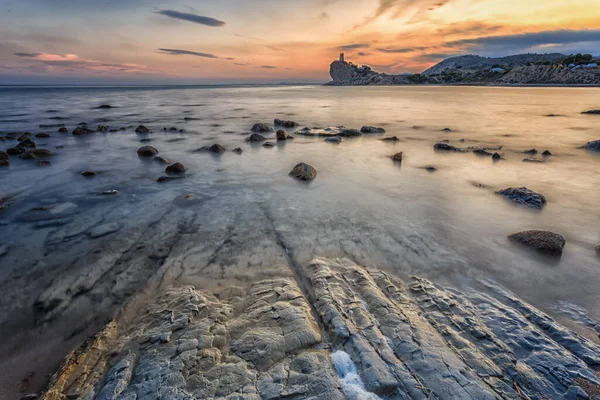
(341, 57)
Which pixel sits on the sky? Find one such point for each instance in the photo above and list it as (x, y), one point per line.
(270, 41)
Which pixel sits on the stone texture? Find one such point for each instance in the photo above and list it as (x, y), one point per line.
(147, 151)
(259, 127)
(543, 241)
(304, 172)
(594, 145)
(371, 129)
(524, 196)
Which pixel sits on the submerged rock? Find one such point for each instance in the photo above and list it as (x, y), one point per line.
(63, 130)
(13, 151)
(268, 144)
(238, 150)
(531, 151)
(543, 241)
(166, 178)
(4, 163)
(89, 174)
(282, 135)
(371, 129)
(175, 169)
(524, 196)
(147, 151)
(496, 157)
(215, 148)
(546, 153)
(3, 155)
(40, 153)
(82, 130)
(329, 132)
(390, 139)
(334, 139)
(285, 124)
(26, 144)
(304, 172)
(160, 160)
(142, 129)
(255, 137)
(594, 145)
(102, 128)
(42, 135)
(596, 112)
(447, 147)
(104, 106)
(430, 169)
(261, 128)
(397, 157)
(482, 152)
(103, 230)
(43, 163)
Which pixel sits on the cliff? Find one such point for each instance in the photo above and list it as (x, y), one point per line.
(541, 69)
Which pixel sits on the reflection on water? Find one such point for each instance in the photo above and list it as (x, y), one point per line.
(447, 225)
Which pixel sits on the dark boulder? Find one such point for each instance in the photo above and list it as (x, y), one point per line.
(371, 129)
(215, 148)
(43, 163)
(546, 153)
(23, 137)
(42, 135)
(594, 112)
(446, 130)
(255, 137)
(238, 150)
(102, 128)
(430, 169)
(348, 132)
(4, 163)
(282, 135)
(82, 130)
(104, 107)
(390, 139)
(304, 172)
(142, 129)
(14, 151)
(594, 145)
(524, 196)
(63, 130)
(3, 155)
(40, 153)
(147, 151)
(88, 174)
(397, 157)
(334, 139)
(543, 241)
(268, 144)
(496, 157)
(285, 124)
(26, 144)
(531, 151)
(261, 128)
(175, 169)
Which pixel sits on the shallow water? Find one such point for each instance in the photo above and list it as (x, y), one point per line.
(442, 225)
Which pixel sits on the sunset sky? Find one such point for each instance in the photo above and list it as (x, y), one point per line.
(228, 41)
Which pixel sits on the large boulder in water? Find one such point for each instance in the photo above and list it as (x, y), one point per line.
(372, 129)
(261, 128)
(147, 151)
(543, 241)
(304, 172)
(82, 130)
(594, 145)
(524, 196)
(447, 147)
(255, 137)
(215, 148)
(282, 135)
(595, 112)
(175, 169)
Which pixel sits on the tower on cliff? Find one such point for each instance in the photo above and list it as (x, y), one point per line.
(341, 57)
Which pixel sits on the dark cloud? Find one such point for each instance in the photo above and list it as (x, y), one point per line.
(178, 52)
(362, 54)
(28, 55)
(401, 49)
(353, 46)
(267, 67)
(197, 19)
(526, 40)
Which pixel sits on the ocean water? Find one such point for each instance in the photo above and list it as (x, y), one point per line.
(448, 225)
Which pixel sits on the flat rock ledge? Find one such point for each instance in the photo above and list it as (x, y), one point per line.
(545, 242)
(344, 332)
(524, 196)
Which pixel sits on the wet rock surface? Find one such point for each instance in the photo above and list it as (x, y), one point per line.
(215, 148)
(285, 124)
(341, 131)
(255, 137)
(594, 145)
(441, 146)
(147, 151)
(543, 241)
(524, 196)
(304, 172)
(260, 128)
(372, 130)
(300, 332)
(175, 169)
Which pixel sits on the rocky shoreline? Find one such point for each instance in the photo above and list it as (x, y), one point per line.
(222, 312)
(299, 334)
